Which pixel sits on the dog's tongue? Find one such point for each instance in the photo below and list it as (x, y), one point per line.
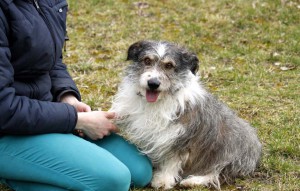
(151, 96)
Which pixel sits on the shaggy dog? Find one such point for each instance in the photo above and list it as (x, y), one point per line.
(191, 137)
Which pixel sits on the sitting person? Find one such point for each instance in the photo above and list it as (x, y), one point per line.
(41, 109)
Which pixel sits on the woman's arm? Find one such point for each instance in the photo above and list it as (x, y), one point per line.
(20, 114)
(62, 83)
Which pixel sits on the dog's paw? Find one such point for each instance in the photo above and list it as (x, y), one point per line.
(163, 181)
(193, 181)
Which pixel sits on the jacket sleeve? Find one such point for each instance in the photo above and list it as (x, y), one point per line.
(62, 82)
(21, 115)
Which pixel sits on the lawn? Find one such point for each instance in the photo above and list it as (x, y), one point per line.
(250, 58)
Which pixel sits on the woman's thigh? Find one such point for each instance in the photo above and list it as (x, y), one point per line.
(139, 165)
(61, 160)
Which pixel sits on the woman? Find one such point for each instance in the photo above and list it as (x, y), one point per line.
(41, 107)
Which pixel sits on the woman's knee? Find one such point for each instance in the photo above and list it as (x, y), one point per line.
(115, 180)
(138, 164)
(142, 173)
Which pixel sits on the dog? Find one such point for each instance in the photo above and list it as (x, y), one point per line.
(191, 138)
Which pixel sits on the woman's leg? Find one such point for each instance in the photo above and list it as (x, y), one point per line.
(61, 161)
(32, 186)
(139, 165)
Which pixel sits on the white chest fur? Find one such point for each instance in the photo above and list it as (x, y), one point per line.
(152, 126)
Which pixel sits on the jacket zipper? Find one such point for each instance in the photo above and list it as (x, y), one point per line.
(38, 8)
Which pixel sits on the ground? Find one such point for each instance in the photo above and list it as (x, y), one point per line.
(249, 53)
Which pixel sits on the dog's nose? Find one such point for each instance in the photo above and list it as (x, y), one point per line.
(153, 83)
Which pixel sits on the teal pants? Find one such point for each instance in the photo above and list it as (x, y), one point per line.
(60, 162)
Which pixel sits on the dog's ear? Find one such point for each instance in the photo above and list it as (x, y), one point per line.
(192, 61)
(134, 50)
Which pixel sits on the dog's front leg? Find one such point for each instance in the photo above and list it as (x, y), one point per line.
(167, 174)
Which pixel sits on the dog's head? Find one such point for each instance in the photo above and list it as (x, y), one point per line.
(160, 68)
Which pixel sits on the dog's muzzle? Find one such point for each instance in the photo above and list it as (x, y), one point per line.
(153, 83)
(152, 93)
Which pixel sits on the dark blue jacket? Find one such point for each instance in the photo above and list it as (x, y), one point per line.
(32, 75)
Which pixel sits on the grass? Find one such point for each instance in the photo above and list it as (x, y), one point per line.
(249, 52)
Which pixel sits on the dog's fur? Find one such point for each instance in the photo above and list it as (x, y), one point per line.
(190, 136)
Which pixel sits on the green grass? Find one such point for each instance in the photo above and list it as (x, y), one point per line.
(249, 52)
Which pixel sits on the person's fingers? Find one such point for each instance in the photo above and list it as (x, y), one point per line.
(106, 133)
(81, 134)
(110, 115)
(114, 128)
(82, 107)
(87, 108)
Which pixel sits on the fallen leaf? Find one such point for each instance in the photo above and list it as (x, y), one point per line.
(287, 67)
(277, 63)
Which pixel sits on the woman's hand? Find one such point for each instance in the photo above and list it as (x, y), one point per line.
(96, 124)
(72, 100)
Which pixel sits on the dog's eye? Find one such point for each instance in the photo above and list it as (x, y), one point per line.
(147, 61)
(169, 65)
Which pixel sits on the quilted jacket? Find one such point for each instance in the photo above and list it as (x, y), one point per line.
(32, 75)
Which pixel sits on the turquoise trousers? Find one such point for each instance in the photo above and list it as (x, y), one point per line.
(60, 162)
